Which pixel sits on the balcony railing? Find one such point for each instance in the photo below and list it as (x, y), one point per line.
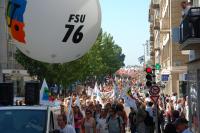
(190, 25)
(156, 4)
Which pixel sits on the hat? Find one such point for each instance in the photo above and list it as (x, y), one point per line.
(180, 121)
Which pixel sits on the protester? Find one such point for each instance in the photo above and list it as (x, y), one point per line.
(97, 112)
(89, 124)
(102, 126)
(132, 120)
(115, 122)
(181, 125)
(78, 117)
(64, 127)
(140, 117)
(185, 8)
(121, 112)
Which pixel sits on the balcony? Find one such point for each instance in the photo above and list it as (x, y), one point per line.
(190, 30)
(165, 25)
(157, 24)
(151, 14)
(152, 53)
(151, 28)
(151, 44)
(151, 38)
(157, 49)
(155, 4)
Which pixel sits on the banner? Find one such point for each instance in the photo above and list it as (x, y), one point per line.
(107, 95)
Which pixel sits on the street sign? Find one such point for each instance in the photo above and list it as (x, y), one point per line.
(165, 77)
(154, 99)
(154, 91)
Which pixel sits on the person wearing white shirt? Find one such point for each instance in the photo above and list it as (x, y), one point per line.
(64, 127)
(102, 126)
(149, 108)
(147, 99)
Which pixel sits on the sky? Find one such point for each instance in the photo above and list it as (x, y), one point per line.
(127, 22)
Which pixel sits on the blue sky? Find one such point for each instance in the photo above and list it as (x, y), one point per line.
(127, 22)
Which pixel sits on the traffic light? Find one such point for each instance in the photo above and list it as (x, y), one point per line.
(149, 77)
(157, 66)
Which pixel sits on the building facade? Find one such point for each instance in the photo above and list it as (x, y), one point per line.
(190, 40)
(164, 16)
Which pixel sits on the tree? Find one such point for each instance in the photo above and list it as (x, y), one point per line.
(105, 57)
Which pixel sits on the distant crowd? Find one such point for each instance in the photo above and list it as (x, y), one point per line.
(114, 116)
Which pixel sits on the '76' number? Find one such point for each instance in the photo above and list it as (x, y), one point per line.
(78, 35)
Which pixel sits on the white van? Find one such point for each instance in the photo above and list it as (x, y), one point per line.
(28, 119)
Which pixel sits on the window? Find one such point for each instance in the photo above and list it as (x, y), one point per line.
(23, 121)
(177, 63)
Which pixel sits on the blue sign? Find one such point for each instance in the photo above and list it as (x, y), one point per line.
(186, 77)
(165, 77)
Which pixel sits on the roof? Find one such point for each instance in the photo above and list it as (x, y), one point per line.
(23, 107)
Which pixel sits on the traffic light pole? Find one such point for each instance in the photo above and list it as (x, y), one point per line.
(156, 117)
(156, 104)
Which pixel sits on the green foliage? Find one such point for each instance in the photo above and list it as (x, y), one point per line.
(105, 57)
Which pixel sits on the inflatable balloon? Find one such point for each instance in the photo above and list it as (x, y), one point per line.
(53, 31)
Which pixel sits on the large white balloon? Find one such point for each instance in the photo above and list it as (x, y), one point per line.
(54, 31)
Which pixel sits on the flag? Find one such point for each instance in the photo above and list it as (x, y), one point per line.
(115, 79)
(70, 115)
(97, 93)
(15, 19)
(104, 85)
(95, 89)
(141, 59)
(44, 94)
(77, 102)
(115, 91)
(129, 100)
(98, 98)
(92, 96)
(89, 91)
(100, 87)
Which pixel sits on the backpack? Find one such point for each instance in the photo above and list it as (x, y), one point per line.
(132, 118)
(148, 119)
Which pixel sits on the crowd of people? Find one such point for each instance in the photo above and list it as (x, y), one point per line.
(114, 116)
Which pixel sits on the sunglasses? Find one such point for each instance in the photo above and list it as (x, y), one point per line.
(87, 113)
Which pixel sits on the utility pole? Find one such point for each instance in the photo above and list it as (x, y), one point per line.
(146, 51)
(144, 45)
(156, 104)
